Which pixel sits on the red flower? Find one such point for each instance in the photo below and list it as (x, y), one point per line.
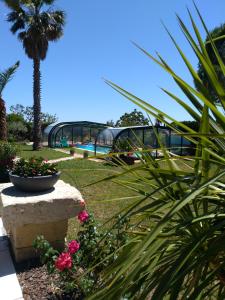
(73, 247)
(83, 216)
(64, 261)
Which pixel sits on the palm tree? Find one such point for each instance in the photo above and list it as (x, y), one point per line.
(35, 28)
(4, 79)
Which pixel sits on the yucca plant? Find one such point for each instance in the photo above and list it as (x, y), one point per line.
(176, 248)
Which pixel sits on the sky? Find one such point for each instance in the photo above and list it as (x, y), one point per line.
(97, 44)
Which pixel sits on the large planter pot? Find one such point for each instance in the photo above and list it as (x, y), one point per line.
(34, 184)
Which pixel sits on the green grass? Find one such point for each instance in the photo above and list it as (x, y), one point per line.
(26, 151)
(81, 173)
(80, 151)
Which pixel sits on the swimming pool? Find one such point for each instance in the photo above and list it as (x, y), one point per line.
(91, 147)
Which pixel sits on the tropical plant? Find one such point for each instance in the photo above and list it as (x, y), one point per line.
(218, 36)
(176, 248)
(36, 28)
(5, 77)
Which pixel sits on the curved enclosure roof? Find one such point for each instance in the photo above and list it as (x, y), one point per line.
(99, 137)
(65, 134)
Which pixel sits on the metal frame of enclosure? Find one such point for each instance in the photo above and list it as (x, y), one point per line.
(144, 137)
(101, 136)
(63, 133)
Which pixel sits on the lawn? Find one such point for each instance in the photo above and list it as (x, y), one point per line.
(26, 151)
(80, 173)
(105, 198)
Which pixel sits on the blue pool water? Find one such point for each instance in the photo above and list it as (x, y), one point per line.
(91, 147)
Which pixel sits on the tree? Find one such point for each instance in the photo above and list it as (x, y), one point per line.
(27, 113)
(24, 115)
(35, 28)
(5, 77)
(135, 118)
(110, 123)
(218, 36)
(159, 120)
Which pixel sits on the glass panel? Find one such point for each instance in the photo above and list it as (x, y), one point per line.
(164, 136)
(175, 143)
(105, 138)
(150, 140)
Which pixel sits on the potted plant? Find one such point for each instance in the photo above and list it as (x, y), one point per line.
(124, 148)
(85, 154)
(34, 174)
(7, 155)
(72, 151)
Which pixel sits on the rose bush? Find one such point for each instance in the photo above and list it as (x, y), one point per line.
(91, 249)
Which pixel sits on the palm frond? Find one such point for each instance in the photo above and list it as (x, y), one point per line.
(7, 75)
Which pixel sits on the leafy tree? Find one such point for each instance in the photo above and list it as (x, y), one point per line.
(135, 118)
(14, 118)
(27, 114)
(110, 123)
(17, 131)
(24, 115)
(5, 77)
(218, 36)
(190, 124)
(35, 28)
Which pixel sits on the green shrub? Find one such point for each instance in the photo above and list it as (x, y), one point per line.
(7, 154)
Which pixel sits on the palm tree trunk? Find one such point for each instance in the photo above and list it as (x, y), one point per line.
(3, 123)
(37, 136)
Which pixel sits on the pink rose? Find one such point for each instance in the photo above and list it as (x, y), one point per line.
(73, 247)
(83, 216)
(82, 203)
(64, 261)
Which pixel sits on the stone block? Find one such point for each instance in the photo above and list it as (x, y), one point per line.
(26, 215)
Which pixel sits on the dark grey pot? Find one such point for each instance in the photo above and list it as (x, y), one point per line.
(34, 184)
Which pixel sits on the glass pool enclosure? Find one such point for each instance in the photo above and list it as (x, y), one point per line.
(99, 138)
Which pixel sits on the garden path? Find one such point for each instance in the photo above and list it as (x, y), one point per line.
(9, 284)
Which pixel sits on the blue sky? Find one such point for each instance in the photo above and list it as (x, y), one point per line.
(97, 44)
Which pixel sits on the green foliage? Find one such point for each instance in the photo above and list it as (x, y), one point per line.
(93, 250)
(6, 76)
(190, 124)
(34, 166)
(218, 35)
(20, 121)
(176, 247)
(35, 27)
(17, 131)
(7, 154)
(27, 113)
(135, 118)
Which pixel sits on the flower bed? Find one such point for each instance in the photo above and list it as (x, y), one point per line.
(91, 248)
